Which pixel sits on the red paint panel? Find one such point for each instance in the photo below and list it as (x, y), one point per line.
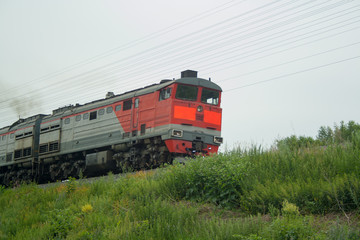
(184, 113)
(179, 146)
(212, 117)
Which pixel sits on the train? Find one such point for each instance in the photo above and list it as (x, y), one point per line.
(139, 129)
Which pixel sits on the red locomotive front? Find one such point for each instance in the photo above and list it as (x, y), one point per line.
(192, 107)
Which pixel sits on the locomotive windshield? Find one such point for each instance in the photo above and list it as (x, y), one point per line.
(210, 96)
(190, 93)
(186, 92)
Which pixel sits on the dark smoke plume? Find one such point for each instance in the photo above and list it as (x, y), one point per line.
(22, 106)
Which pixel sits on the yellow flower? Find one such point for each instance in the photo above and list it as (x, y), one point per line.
(86, 208)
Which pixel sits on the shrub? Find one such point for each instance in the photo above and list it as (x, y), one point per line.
(289, 209)
(216, 179)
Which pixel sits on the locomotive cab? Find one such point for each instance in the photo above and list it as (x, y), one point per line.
(195, 123)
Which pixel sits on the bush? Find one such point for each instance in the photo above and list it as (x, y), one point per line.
(216, 179)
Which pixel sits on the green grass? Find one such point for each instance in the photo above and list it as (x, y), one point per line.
(243, 194)
(318, 180)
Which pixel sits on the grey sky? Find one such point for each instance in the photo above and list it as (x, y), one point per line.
(286, 67)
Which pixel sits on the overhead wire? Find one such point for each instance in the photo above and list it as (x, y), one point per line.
(137, 55)
(273, 36)
(137, 70)
(180, 50)
(144, 70)
(294, 73)
(281, 44)
(137, 41)
(325, 51)
(192, 49)
(288, 62)
(210, 66)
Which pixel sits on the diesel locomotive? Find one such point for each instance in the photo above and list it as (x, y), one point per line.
(139, 129)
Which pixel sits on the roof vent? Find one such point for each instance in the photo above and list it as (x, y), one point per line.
(189, 73)
(62, 109)
(110, 95)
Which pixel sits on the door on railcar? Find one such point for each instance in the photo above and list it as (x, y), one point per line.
(135, 116)
(163, 106)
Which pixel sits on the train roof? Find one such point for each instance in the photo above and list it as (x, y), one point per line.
(199, 82)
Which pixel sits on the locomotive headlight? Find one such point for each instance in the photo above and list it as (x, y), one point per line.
(199, 108)
(218, 140)
(176, 133)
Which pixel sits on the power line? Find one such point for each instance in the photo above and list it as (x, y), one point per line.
(136, 71)
(149, 50)
(288, 62)
(292, 47)
(138, 41)
(294, 73)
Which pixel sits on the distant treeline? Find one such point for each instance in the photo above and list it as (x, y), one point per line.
(339, 134)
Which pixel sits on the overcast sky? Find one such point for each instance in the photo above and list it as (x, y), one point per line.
(285, 67)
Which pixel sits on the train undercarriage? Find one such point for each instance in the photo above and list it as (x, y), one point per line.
(131, 156)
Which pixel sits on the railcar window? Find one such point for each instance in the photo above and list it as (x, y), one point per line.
(101, 111)
(27, 152)
(136, 103)
(118, 108)
(67, 120)
(127, 105)
(78, 118)
(53, 146)
(44, 129)
(186, 92)
(109, 110)
(19, 136)
(165, 94)
(86, 116)
(210, 96)
(18, 154)
(93, 115)
(44, 148)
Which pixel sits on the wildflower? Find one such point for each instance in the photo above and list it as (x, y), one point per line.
(86, 208)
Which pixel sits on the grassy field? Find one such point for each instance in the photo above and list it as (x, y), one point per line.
(307, 192)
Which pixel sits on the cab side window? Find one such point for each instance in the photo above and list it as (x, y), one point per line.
(165, 94)
(127, 105)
